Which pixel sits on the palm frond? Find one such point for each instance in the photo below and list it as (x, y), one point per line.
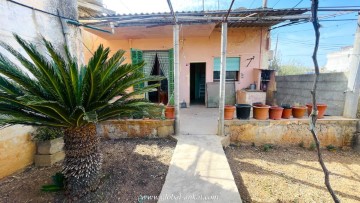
(61, 93)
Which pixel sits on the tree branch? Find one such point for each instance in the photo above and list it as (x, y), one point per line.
(313, 116)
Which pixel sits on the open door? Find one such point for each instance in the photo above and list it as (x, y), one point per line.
(197, 83)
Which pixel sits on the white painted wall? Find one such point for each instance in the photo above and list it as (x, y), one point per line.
(339, 61)
(32, 25)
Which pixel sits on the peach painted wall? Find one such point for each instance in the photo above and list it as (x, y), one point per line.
(242, 42)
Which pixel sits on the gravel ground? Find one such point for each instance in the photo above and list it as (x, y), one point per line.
(131, 168)
(293, 174)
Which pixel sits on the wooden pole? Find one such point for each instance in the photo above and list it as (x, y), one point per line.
(176, 78)
(314, 112)
(222, 79)
(353, 90)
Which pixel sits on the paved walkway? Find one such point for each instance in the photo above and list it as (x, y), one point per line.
(199, 171)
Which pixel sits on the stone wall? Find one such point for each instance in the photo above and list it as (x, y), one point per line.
(136, 128)
(16, 149)
(336, 131)
(296, 89)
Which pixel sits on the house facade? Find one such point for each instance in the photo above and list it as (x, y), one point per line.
(247, 54)
(149, 37)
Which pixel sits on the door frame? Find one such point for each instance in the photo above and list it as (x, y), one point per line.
(197, 62)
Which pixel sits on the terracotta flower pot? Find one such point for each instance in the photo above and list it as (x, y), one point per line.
(170, 112)
(298, 111)
(275, 112)
(321, 109)
(286, 113)
(261, 112)
(229, 112)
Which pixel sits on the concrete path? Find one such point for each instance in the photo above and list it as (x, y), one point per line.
(198, 120)
(199, 171)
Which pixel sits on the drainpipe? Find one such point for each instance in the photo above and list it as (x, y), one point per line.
(222, 79)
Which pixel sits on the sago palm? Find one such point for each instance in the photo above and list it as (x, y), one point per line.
(54, 90)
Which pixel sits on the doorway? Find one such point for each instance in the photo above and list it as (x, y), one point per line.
(197, 83)
(161, 95)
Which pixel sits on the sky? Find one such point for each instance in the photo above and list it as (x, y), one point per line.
(295, 43)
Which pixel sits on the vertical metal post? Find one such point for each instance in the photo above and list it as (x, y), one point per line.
(264, 4)
(222, 78)
(353, 90)
(176, 78)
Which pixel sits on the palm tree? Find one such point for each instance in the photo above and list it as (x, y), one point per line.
(52, 90)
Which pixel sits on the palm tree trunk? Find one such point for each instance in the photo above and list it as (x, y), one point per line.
(82, 162)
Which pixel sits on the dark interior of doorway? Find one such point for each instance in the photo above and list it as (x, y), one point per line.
(197, 83)
(161, 95)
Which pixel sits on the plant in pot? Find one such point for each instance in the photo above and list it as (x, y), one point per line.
(287, 111)
(49, 146)
(261, 111)
(170, 108)
(320, 107)
(52, 89)
(298, 111)
(229, 112)
(275, 112)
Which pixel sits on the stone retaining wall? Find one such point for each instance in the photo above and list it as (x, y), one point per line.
(336, 131)
(16, 149)
(132, 128)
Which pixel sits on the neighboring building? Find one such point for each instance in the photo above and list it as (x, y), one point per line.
(339, 61)
(144, 38)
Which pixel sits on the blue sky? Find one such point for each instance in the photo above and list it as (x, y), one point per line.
(295, 42)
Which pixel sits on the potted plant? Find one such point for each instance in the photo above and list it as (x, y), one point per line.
(261, 111)
(287, 111)
(49, 146)
(275, 112)
(298, 111)
(170, 108)
(243, 111)
(229, 112)
(320, 107)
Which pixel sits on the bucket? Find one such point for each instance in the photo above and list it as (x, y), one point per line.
(243, 111)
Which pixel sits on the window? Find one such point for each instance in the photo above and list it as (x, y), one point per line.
(232, 68)
(230, 75)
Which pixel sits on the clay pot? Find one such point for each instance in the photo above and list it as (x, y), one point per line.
(286, 113)
(229, 112)
(298, 111)
(275, 112)
(261, 112)
(321, 109)
(170, 112)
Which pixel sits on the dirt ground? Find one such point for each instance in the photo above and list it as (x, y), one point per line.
(293, 174)
(131, 168)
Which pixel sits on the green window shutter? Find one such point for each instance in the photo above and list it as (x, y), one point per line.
(136, 58)
(232, 64)
(171, 73)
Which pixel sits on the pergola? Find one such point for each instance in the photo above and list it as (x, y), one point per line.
(261, 17)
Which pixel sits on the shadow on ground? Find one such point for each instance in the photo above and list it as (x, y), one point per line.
(293, 174)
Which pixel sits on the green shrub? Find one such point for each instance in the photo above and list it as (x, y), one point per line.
(331, 147)
(58, 183)
(267, 147)
(312, 146)
(48, 133)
